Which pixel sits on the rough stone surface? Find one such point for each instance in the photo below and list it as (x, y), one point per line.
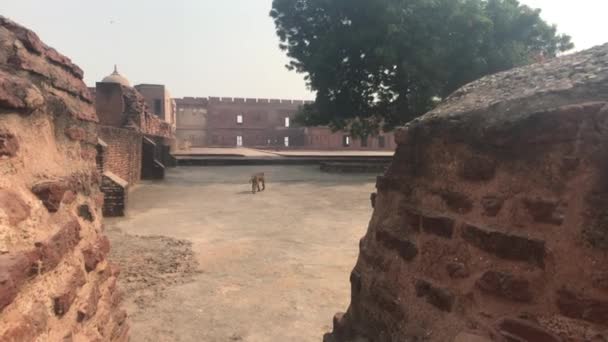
(51, 194)
(45, 293)
(76, 133)
(506, 246)
(517, 162)
(15, 209)
(578, 306)
(441, 298)
(8, 144)
(506, 286)
(521, 330)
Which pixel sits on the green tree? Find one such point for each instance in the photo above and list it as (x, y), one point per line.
(376, 64)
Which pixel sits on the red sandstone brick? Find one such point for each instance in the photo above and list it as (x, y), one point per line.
(96, 253)
(14, 207)
(18, 93)
(441, 298)
(506, 245)
(520, 330)
(52, 250)
(438, 225)
(15, 269)
(76, 133)
(577, 306)
(406, 249)
(50, 193)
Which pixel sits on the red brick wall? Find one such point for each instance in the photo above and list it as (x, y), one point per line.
(320, 138)
(213, 122)
(123, 154)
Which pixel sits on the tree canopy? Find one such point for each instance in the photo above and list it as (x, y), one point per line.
(377, 64)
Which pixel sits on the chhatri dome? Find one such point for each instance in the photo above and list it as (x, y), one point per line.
(115, 77)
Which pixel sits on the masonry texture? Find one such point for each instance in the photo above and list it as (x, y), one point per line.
(123, 153)
(491, 223)
(55, 281)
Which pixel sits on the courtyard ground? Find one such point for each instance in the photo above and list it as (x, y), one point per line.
(205, 260)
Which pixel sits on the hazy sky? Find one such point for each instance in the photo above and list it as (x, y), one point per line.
(211, 47)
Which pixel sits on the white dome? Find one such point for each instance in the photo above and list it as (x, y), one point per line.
(115, 77)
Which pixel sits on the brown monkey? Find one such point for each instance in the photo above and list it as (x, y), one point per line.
(255, 181)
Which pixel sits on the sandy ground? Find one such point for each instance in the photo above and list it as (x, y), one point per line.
(205, 260)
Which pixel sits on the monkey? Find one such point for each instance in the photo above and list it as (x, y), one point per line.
(255, 181)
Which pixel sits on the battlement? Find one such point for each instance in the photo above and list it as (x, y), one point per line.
(211, 99)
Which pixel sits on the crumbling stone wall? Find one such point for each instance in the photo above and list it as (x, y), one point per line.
(491, 223)
(55, 281)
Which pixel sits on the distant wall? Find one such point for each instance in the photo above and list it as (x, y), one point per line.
(322, 138)
(213, 122)
(123, 154)
(157, 92)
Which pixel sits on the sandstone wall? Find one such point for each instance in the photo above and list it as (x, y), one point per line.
(55, 281)
(492, 222)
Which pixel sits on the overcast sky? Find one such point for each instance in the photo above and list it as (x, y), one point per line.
(211, 48)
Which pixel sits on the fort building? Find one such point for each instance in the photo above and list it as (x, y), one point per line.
(260, 123)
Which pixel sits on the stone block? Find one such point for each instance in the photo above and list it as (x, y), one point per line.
(513, 329)
(456, 201)
(14, 207)
(438, 225)
(506, 286)
(15, 269)
(406, 249)
(51, 251)
(76, 133)
(544, 211)
(577, 306)
(96, 253)
(50, 193)
(18, 93)
(442, 299)
(505, 245)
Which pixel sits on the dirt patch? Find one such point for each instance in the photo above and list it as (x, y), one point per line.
(149, 265)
